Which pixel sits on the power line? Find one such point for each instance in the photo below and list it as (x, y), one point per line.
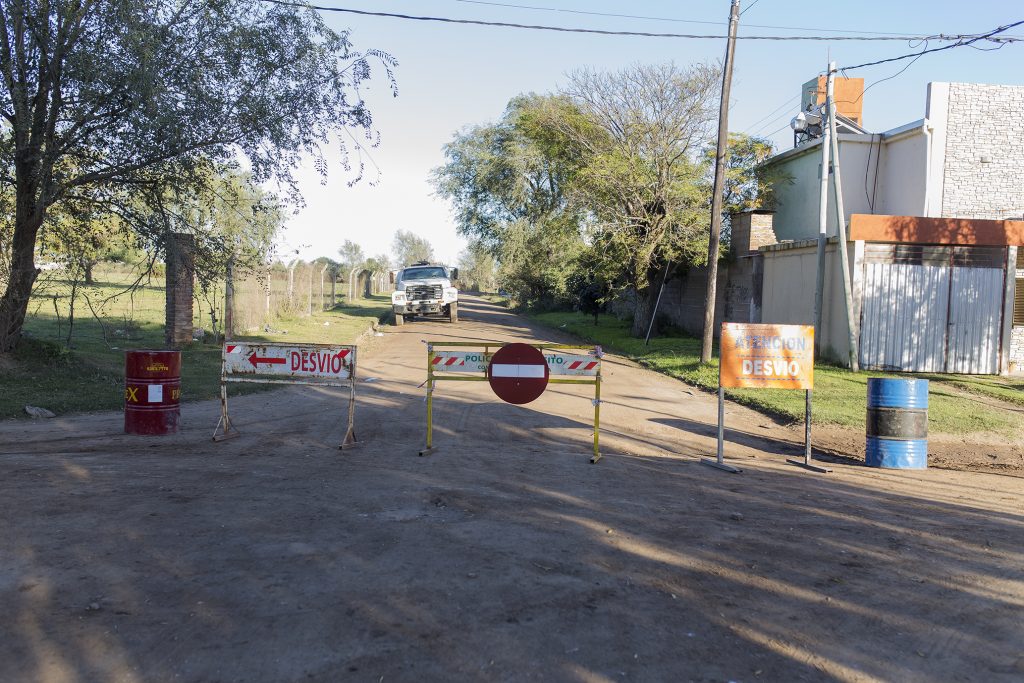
(749, 7)
(644, 34)
(773, 112)
(963, 40)
(613, 15)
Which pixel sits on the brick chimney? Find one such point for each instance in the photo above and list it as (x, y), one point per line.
(750, 230)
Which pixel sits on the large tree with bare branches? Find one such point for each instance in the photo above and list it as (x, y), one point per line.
(122, 103)
(641, 131)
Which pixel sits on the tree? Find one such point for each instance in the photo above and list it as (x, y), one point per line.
(408, 247)
(641, 132)
(748, 185)
(507, 183)
(381, 263)
(125, 102)
(477, 268)
(352, 256)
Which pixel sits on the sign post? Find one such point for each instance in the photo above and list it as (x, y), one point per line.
(323, 365)
(763, 356)
(518, 373)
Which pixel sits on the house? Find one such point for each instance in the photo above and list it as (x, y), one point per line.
(935, 215)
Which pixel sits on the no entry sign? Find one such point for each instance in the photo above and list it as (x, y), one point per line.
(518, 373)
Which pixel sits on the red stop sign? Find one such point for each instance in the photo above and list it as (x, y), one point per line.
(518, 373)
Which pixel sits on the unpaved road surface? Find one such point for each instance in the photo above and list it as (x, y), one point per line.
(504, 556)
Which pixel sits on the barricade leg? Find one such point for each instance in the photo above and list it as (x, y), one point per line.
(597, 417)
(430, 402)
(224, 427)
(350, 440)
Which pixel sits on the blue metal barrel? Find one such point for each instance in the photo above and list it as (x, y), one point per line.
(897, 423)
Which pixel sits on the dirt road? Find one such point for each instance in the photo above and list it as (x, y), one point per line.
(505, 555)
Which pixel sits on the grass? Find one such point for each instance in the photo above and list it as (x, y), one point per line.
(840, 396)
(88, 374)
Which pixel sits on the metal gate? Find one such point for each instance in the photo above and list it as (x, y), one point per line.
(932, 309)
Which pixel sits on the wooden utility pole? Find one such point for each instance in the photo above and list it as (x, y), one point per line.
(718, 190)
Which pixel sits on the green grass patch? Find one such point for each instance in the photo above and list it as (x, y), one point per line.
(840, 396)
(495, 298)
(85, 372)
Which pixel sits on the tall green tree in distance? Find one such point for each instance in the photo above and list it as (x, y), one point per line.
(351, 255)
(408, 248)
(507, 182)
(641, 132)
(123, 102)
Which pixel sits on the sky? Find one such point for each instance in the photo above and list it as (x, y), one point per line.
(453, 76)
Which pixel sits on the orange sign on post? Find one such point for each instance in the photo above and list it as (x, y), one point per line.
(760, 356)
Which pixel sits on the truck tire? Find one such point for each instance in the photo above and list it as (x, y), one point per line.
(399, 319)
(453, 312)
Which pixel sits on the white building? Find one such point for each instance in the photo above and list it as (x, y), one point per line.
(929, 295)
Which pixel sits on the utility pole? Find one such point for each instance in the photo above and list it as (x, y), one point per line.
(819, 283)
(718, 190)
(837, 186)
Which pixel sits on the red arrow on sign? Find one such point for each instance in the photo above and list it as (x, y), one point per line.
(254, 359)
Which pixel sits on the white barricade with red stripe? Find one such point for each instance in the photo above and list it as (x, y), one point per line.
(515, 376)
(331, 365)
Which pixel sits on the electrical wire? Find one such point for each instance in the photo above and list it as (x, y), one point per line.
(768, 118)
(613, 15)
(749, 7)
(643, 34)
(961, 41)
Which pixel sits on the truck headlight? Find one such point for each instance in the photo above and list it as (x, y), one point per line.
(450, 294)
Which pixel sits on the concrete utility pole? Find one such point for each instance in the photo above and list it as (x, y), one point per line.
(718, 190)
(819, 282)
(837, 186)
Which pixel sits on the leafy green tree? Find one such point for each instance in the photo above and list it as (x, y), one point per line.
(126, 102)
(352, 256)
(507, 182)
(381, 263)
(408, 248)
(641, 133)
(477, 268)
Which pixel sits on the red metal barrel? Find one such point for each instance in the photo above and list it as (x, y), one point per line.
(152, 392)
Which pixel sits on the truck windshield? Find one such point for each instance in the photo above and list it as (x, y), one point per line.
(423, 273)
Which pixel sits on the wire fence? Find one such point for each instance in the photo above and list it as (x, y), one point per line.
(122, 301)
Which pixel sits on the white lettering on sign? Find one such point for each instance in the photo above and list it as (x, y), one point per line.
(460, 361)
(517, 370)
(573, 364)
(292, 360)
(771, 368)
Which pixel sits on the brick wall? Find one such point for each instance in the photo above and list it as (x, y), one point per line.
(984, 167)
(750, 230)
(1017, 349)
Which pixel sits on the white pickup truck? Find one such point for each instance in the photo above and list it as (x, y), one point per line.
(427, 291)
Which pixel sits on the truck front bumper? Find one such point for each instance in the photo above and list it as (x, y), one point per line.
(420, 308)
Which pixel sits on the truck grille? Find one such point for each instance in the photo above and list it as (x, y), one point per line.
(420, 292)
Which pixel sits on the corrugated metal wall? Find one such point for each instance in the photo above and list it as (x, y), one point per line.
(932, 309)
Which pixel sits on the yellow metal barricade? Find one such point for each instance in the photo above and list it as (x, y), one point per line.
(455, 362)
